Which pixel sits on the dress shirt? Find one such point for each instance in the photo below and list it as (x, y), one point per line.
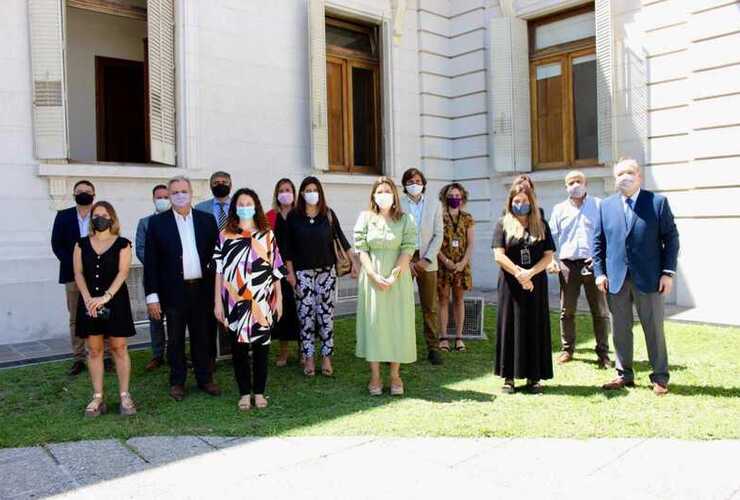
(417, 209)
(190, 259)
(573, 227)
(84, 223)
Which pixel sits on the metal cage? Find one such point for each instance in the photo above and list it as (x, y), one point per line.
(473, 323)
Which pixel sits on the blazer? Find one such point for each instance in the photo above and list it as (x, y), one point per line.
(64, 235)
(163, 273)
(207, 206)
(645, 249)
(141, 230)
(431, 230)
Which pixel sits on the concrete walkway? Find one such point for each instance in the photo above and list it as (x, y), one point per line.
(365, 467)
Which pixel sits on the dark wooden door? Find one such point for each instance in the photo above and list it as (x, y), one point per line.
(120, 105)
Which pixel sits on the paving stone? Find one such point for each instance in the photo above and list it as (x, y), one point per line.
(90, 462)
(227, 442)
(160, 450)
(31, 473)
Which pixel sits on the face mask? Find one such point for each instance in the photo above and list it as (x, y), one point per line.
(84, 199)
(522, 209)
(414, 189)
(100, 223)
(311, 198)
(383, 200)
(454, 202)
(220, 190)
(245, 213)
(625, 183)
(180, 200)
(577, 191)
(161, 204)
(285, 198)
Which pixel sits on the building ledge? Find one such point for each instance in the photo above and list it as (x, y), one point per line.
(347, 179)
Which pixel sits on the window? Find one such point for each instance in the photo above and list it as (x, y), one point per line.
(353, 96)
(563, 89)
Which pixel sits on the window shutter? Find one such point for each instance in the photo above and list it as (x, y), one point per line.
(510, 104)
(161, 40)
(604, 78)
(317, 85)
(47, 67)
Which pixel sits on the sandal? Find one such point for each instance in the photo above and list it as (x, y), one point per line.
(309, 368)
(397, 388)
(96, 407)
(128, 407)
(375, 390)
(327, 372)
(444, 345)
(534, 386)
(260, 401)
(460, 345)
(245, 403)
(281, 362)
(508, 387)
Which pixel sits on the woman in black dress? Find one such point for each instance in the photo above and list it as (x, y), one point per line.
(523, 248)
(101, 264)
(287, 328)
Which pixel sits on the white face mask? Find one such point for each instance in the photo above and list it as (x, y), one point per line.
(312, 198)
(162, 205)
(414, 189)
(384, 200)
(577, 191)
(625, 183)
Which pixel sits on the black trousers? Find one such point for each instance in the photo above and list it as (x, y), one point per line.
(194, 315)
(248, 381)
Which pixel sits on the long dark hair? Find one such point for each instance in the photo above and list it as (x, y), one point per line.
(300, 205)
(275, 202)
(260, 221)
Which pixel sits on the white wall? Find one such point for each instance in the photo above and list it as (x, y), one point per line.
(90, 34)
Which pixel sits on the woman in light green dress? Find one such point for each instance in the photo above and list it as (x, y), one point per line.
(385, 239)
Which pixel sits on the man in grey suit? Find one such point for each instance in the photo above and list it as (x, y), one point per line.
(427, 213)
(635, 256)
(218, 206)
(161, 199)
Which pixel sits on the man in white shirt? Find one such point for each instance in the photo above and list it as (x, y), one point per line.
(179, 282)
(572, 224)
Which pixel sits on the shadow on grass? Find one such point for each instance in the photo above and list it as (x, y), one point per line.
(704, 390)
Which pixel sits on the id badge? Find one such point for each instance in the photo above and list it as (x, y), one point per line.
(526, 257)
(455, 243)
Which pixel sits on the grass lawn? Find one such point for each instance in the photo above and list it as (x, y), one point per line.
(40, 404)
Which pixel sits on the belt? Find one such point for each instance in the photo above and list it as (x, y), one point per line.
(574, 260)
(193, 282)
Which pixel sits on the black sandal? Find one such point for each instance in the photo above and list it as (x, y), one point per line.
(460, 345)
(508, 387)
(534, 387)
(446, 346)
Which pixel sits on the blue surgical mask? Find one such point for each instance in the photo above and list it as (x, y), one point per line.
(162, 204)
(522, 209)
(245, 213)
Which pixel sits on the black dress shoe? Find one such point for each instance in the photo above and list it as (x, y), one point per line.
(210, 388)
(76, 368)
(435, 358)
(108, 365)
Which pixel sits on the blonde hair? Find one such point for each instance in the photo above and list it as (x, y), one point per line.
(396, 211)
(535, 224)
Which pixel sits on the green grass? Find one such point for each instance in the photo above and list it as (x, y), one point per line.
(40, 404)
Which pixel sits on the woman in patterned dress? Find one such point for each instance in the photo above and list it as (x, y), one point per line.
(248, 297)
(454, 262)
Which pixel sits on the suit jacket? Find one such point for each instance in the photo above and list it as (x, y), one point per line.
(163, 273)
(141, 230)
(207, 206)
(645, 249)
(64, 235)
(431, 230)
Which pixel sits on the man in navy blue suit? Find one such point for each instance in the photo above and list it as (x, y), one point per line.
(635, 253)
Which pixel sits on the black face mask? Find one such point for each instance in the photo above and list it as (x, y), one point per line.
(221, 190)
(100, 223)
(84, 199)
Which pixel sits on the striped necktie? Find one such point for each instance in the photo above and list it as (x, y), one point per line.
(221, 216)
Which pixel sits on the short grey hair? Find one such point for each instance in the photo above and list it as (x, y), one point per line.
(180, 178)
(625, 162)
(576, 173)
(220, 173)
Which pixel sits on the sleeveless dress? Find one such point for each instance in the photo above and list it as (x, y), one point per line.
(99, 272)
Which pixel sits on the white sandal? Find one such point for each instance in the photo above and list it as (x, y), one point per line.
(128, 407)
(97, 406)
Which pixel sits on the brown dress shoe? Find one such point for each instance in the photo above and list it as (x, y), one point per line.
(210, 388)
(604, 362)
(177, 392)
(617, 384)
(660, 389)
(153, 364)
(565, 357)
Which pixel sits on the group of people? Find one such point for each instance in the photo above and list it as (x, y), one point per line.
(226, 265)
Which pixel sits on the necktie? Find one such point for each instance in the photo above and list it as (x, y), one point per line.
(221, 216)
(629, 213)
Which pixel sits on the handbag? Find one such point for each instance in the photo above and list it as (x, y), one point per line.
(343, 261)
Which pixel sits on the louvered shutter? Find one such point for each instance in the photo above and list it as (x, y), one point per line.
(510, 105)
(605, 79)
(161, 41)
(317, 85)
(49, 89)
